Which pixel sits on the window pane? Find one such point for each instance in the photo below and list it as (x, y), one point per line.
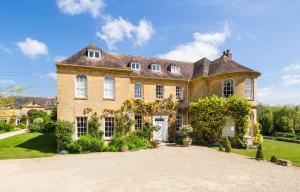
(159, 92)
(138, 121)
(178, 122)
(228, 88)
(81, 86)
(97, 55)
(109, 88)
(138, 90)
(81, 126)
(91, 53)
(249, 88)
(109, 126)
(179, 92)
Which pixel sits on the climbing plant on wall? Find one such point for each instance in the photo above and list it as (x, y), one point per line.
(208, 116)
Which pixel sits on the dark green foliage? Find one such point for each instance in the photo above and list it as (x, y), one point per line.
(53, 114)
(86, 144)
(273, 159)
(23, 119)
(179, 138)
(94, 126)
(227, 145)
(119, 142)
(34, 128)
(49, 127)
(75, 147)
(123, 123)
(266, 121)
(147, 131)
(2, 124)
(8, 127)
(21, 126)
(133, 142)
(221, 148)
(63, 134)
(259, 153)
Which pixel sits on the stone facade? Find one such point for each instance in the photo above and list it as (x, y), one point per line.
(69, 107)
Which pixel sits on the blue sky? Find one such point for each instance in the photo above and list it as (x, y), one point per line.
(263, 35)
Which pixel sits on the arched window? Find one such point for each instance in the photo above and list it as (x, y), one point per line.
(109, 87)
(249, 88)
(81, 86)
(228, 88)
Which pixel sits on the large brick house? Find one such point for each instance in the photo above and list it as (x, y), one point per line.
(96, 80)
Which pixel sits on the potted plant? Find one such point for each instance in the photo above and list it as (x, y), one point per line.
(186, 130)
(124, 148)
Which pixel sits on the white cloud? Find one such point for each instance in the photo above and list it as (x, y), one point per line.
(265, 92)
(291, 74)
(51, 75)
(117, 30)
(204, 45)
(74, 7)
(7, 82)
(5, 49)
(59, 58)
(32, 48)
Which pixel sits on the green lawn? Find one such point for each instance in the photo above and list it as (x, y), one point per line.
(27, 145)
(282, 150)
(15, 129)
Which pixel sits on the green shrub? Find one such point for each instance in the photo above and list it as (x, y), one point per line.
(8, 127)
(135, 143)
(63, 133)
(179, 138)
(94, 126)
(23, 119)
(1, 124)
(118, 142)
(221, 148)
(259, 153)
(49, 127)
(227, 145)
(147, 131)
(34, 128)
(38, 114)
(75, 147)
(273, 159)
(12, 120)
(21, 126)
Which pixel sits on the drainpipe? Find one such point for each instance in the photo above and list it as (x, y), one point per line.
(187, 99)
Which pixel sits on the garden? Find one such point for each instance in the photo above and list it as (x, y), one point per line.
(11, 125)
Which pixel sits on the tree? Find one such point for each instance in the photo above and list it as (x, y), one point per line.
(266, 120)
(53, 114)
(38, 114)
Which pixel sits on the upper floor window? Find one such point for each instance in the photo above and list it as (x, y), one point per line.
(155, 67)
(175, 69)
(249, 88)
(94, 54)
(228, 88)
(138, 90)
(135, 66)
(179, 92)
(109, 87)
(159, 91)
(81, 86)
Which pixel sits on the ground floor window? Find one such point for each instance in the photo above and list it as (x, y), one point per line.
(178, 122)
(81, 123)
(109, 126)
(138, 121)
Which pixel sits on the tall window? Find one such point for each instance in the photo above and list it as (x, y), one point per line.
(159, 91)
(249, 88)
(81, 123)
(228, 88)
(179, 92)
(138, 122)
(138, 89)
(109, 126)
(81, 86)
(109, 87)
(178, 122)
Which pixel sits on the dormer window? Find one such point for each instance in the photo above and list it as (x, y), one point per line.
(135, 66)
(155, 67)
(94, 54)
(175, 69)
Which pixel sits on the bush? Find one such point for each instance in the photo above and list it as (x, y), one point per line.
(273, 159)
(94, 126)
(1, 124)
(259, 153)
(118, 142)
(34, 128)
(49, 127)
(227, 145)
(221, 148)
(63, 134)
(38, 114)
(147, 131)
(8, 127)
(75, 147)
(23, 119)
(86, 144)
(12, 120)
(179, 138)
(21, 126)
(135, 143)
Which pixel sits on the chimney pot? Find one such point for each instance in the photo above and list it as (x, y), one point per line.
(228, 54)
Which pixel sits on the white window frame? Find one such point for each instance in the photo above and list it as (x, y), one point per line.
(138, 90)
(179, 92)
(159, 89)
(93, 52)
(155, 67)
(179, 122)
(135, 66)
(249, 91)
(175, 69)
(109, 127)
(138, 118)
(226, 95)
(109, 88)
(81, 86)
(81, 126)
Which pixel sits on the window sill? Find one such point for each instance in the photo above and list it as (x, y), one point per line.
(108, 99)
(77, 98)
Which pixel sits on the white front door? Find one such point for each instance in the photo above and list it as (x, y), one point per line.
(162, 133)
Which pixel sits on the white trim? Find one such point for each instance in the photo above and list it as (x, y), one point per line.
(155, 67)
(141, 91)
(223, 86)
(85, 89)
(135, 66)
(94, 54)
(107, 95)
(251, 90)
(163, 91)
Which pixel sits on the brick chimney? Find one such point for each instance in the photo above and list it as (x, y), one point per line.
(228, 54)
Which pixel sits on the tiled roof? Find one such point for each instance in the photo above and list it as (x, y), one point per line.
(188, 70)
(45, 102)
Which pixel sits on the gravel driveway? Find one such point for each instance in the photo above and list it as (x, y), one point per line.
(164, 169)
